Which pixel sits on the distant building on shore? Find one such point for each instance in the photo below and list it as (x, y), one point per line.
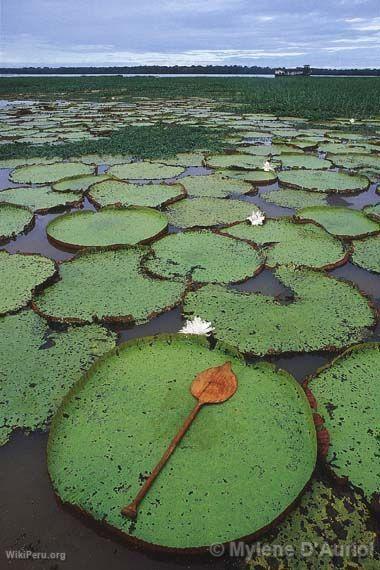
(304, 71)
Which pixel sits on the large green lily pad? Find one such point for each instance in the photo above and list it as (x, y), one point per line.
(108, 227)
(322, 532)
(79, 183)
(14, 219)
(373, 211)
(39, 366)
(367, 253)
(289, 243)
(45, 173)
(145, 171)
(304, 161)
(107, 286)
(204, 257)
(340, 221)
(20, 274)
(244, 161)
(215, 186)
(126, 194)
(259, 177)
(247, 459)
(291, 198)
(208, 212)
(323, 181)
(40, 199)
(324, 314)
(347, 394)
(185, 159)
(356, 161)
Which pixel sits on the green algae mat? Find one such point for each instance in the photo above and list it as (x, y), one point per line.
(108, 227)
(203, 257)
(79, 183)
(323, 181)
(286, 242)
(325, 518)
(323, 314)
(126, 194)
(145, 171)
(20, 275)
(248, 458)
(39, 366)
(340, 221)
(367, 253)
(347, 394)
(208, 212)
(40, 199)
(214, 186)
(107, 286)
(291, 198)
(45, 173)
(14, 220)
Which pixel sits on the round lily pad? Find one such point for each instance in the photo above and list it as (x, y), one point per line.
(373, 211)
(347, 394)
(185, 159)
(79, 183)
(356, 160)
(244, 161)
(204, 257)
(107, 286)
(323, 181)
(108, 227)
(40, 199)
(45, 173)
(259, 177)
(20, 274)
(304, 161)
(214, 186)
(208, 212)
(145, 171)
(14, 219)
(39, 366)
(340, 221)
(139, 395)
(126, 194)
(289, 243)
(367, 253)
(323, 314)
(291, 198)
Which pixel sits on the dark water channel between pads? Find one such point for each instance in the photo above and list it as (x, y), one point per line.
(33, 519)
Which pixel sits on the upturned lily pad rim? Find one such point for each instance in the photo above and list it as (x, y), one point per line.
(29, 226)
(75, 247)
(129, 539)
(181, 196)
(295, 220)
(340, 208)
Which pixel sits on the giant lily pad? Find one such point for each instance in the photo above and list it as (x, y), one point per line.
(40, 199)
(107, 286)
(249, 457)
(20, 274)
(108, 227)
(244, 161)
(214, 186)
(291, 198)
(291, 243)
(340, 221)
(126, 194)
(14, 220)
(347, 394)
(208, 212)
(324, 314)
(44, 173)
(39, 366)
(356, 161)
(304, 161)
(367, 253)
(323, 181)
(145, 171)
(259, 177)
(79, 183)
(204, 257)
(373, 212)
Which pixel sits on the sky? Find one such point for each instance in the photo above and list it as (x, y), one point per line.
(323, 33)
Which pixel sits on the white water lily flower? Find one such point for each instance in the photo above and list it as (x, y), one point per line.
(197, 326)
(256, 218)
(268, 167)
(352, 121)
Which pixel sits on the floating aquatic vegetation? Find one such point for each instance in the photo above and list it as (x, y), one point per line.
(215, 186)
(79, 183)
(291, 198)
(323, 181)
(145, 171)
(197, 326)
(264, 434)
(207, 212)
(39, 366)
(14, 220)
(45, 173)
(40, 199)
(367, 253)
(257, 324)
(340, 221)
(356, 160)
(185, 159)
(244, 161)
(304, 161)
(372, 211)
(107, 286)
(203, 257)
(259, 177)
(257, 218)
(117, 192)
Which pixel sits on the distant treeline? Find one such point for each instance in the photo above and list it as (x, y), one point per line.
(163, 69)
